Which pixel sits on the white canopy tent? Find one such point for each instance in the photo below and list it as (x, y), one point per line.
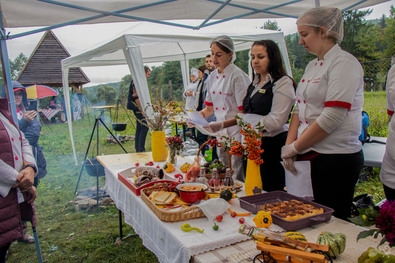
(147, 42)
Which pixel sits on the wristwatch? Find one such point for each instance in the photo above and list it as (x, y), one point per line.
(32, 166)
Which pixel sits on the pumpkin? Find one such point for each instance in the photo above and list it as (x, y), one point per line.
(296, 235)
(263, 219)
(336, 242)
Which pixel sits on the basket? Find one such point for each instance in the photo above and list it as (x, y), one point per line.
(168, 216)
(220, 175)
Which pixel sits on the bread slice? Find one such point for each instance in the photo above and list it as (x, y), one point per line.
(162, 197)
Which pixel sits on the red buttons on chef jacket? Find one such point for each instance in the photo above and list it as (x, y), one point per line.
(16, 158)
(302, 80)
(321, 64)
(304, 101)
(213, 92)
(223, 108)
(307, 122)
(216, 108)
(300, 122)
(298, 101)
(223, 76)
(220, 92)
(217, 76)
(12, 139)
(316, 63)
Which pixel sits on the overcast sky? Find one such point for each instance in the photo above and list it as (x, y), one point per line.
(82, 37)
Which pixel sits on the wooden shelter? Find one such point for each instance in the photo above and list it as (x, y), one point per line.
(44, 65)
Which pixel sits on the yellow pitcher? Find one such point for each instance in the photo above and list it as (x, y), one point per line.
(159, 146)
(253, 178)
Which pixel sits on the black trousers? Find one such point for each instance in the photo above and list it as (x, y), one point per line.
(3, 252)
(389, 193)
(272, 172)
(334, 177)
(141, 132)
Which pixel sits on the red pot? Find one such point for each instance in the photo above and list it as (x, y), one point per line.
(190, 196)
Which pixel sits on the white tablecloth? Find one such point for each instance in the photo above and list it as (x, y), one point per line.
(166, 240)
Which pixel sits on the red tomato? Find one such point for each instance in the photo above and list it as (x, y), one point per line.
(219, 218)
(136, 164)
(241, 220)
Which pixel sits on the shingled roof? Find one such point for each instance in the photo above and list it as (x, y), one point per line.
(44, 67)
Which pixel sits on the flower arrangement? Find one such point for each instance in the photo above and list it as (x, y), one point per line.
(384, 220)
(161, 113)
(174, 142)
(251, 147)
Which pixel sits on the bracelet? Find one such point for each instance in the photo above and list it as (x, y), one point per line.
(32, 166)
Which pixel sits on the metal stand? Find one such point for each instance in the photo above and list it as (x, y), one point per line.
(96, 127)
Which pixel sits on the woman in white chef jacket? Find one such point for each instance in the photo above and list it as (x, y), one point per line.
(387, 174)
(326, 122)
(226, 88)
(189, 92)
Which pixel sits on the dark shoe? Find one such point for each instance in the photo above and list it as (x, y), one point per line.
(27, 239)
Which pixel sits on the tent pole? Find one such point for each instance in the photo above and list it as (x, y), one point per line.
(7, 71)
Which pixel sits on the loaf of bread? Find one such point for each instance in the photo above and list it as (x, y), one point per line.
(163, 197)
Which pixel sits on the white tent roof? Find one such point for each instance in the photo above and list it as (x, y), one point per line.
(147, 42)
(22, 13)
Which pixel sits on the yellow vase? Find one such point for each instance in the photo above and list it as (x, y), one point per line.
(253, 178)
(159, 146)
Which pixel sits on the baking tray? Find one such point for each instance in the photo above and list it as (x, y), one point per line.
(252, 203)
(127, 175)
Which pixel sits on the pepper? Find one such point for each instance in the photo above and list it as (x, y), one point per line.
(186, 228)
(263, 219)
(215, 227)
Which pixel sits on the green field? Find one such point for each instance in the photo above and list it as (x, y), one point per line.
(69, 236)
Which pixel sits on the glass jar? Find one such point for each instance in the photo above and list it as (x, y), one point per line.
(228, 181)
(214, 181)
(202, 176)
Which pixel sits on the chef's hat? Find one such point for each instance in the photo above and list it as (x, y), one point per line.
(195, 72)
(226, 42)
(329, 17)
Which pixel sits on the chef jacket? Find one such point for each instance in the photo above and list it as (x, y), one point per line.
(387, 173)
(335, 81)
(225, 93)
(269, 104)
(190, 100)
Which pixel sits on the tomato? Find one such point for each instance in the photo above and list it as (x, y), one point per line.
(233, 214)
(136, 164)
(219, 218)
(157, 166)
(241, 220)
(215, 227)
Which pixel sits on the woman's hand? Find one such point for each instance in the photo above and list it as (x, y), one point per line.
(188, 93)
(25, 179)
(30, 195)
(216, 126)
(289, 151)
(290, 165)
(30, 115)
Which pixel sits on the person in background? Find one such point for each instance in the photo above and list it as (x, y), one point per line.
(269, 100)
(17, 172)
(134, 104)
(201, 93)
(52, 103)
(326, 122)
(190, 90)
(387, 173)
(226, 88)
(31, 128)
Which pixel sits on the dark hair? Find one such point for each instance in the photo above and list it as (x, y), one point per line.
(222, 47)
(208, 56)
(202, 68)
(276, 67)
(146, 69)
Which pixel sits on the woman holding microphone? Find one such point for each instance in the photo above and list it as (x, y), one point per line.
(326, 122)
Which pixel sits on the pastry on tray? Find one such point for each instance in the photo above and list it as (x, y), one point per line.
(292, 210)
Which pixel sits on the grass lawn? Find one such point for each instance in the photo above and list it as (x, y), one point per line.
(85, 236)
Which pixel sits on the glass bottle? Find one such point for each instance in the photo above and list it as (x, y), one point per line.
(202, 176)
(228, 181)
(214, 181)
